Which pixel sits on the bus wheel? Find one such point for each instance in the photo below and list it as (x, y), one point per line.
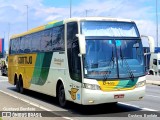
(151, 72)
(61, 96)
(113, 103)
(17, 86)
(21, 89)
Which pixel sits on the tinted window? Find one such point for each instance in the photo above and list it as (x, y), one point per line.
(17, 45)
(11, 47)
(46, 41)
(58, 38)
(155, 61)
(28, 44)
(14, 46)
(36, 42)
(73, 51)
(22, 44)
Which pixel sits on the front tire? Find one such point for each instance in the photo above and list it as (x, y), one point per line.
(151, 72)
(61, 96)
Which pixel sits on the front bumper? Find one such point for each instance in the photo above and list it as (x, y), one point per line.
(91, 97)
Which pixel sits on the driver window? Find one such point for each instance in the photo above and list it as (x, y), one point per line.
(73, 51)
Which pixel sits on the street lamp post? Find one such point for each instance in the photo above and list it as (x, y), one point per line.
(86, 13)
(9, 27)
(157, 23)
(70, 8)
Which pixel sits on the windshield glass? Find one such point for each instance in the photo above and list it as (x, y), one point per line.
(113, 58)
(109, 28)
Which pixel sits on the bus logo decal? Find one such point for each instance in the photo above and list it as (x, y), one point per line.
(73, 93)
(25, 60)
(58, 61)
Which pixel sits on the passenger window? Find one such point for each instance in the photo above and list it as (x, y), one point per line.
(36, 42)
(22, 44)
(58, 38)
(46, 41)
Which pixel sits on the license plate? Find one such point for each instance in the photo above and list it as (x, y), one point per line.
(118, 96)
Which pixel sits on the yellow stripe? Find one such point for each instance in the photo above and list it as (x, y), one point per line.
(39, 28)
(24, 68)
(108, 86)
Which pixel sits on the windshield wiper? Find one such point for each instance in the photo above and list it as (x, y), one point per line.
(108, 72)
(128, 68)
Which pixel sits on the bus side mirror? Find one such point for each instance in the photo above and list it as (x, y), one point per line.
(82, 43)
(151, 43)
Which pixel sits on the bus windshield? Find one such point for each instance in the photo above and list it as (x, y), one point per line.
(113, 58)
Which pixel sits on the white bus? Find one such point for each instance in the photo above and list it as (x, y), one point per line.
(88, 61)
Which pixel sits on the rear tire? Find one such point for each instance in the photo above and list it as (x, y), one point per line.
(21, 89)
(61, 96)
(17, 86)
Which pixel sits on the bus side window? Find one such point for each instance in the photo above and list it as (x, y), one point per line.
(155, 61)
(27, 44)
(46, 41)
(22, 44)
(35, 42)
(11, 46)
(58, 38)
(18, 45)
(73, 51)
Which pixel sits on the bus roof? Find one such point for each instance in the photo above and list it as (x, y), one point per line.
(57, 23)
(39, 28)
(96, 19)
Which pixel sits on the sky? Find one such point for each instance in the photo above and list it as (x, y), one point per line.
(13, 14)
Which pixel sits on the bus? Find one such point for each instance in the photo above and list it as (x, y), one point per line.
(88, 61)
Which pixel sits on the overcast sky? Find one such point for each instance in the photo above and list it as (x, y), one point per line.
(13, 13)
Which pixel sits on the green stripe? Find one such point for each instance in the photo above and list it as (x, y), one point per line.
(42, 67)
(53, 25)
(45, 68)
(132, 83)
(37, 68)
(126, 83)
(122, 84)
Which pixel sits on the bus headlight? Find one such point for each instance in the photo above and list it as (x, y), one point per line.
(91, 86)
(140, 84)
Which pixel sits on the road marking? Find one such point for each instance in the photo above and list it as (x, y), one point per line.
(46, 109)
(148, 109)
(153, 96)
(33, 104)
(3, 77)
(129, 105)
(3, 80)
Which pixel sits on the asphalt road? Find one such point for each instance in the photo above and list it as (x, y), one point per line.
(46, 103)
